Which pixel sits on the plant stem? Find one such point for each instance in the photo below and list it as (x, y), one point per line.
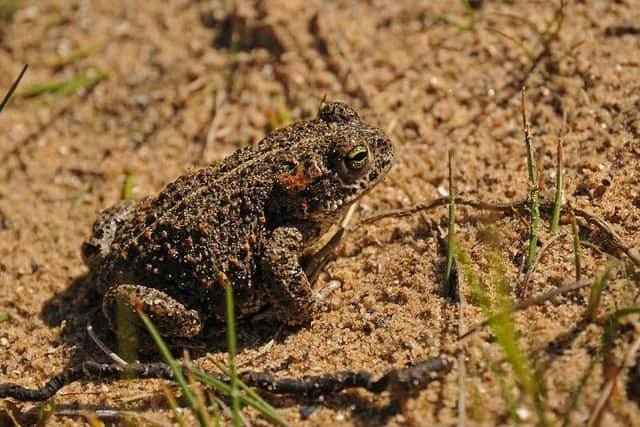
(533, 189)
(451, 237)
(557, 204)
(232, 348)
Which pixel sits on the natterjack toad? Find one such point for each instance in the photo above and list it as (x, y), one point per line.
(244, 221)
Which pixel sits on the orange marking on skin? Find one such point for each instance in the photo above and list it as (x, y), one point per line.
(297, 182)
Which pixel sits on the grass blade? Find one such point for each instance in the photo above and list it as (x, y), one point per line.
(232, 348)
(45, 413)
(557, 203)
(127, 186)
(533, 189)
(176, 368)
(65, 87)
(576, 246)
(174, 407)
(451, 237)
(251, 398)
(598, 286)
(13, 87)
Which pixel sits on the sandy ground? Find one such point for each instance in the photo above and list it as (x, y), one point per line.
(189, 82)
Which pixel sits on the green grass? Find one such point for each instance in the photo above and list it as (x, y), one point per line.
(557, 202)
(174, 407)
(491, 293)
(449, 290)
(244, 394)
(8, 8)
(576, 247)
(231, 350)
(63, 88)
(127, 186)
(612, 325)
(176, 368)
(534, 190)
(45, 413)
(74, 56)
(599, 284)
(280, 116)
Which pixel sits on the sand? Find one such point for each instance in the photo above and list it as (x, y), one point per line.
(189, 82)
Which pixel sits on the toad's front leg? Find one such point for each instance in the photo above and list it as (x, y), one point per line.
(287, 284)
(171, 317)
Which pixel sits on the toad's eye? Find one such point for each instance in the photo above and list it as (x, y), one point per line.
(357, 158)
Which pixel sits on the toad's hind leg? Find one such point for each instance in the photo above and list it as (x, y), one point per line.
(286, 282)
(170, 317)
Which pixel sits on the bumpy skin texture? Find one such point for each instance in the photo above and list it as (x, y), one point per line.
(244, 221)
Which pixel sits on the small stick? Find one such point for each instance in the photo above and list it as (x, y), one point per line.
(614, 238)
(413, 377)
(404, 379)
(441, 201)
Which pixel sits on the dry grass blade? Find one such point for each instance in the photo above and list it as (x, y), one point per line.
(614, 238)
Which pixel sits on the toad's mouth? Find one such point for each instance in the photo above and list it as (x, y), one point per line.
(332, 208)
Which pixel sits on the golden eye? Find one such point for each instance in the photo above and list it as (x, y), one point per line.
(357, 158)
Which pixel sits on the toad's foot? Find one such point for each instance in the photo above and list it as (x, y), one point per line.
(288, 287)
(171, 317)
